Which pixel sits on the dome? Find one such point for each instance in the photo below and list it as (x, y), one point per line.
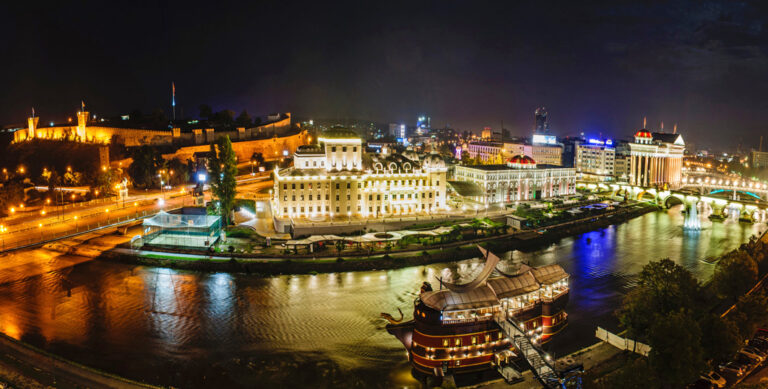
(433, 161)
(411, 155)
(643, 134)
(521, 161)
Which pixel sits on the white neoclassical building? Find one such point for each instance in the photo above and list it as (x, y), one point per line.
(519, 179)
(336, 179)
(656, 159)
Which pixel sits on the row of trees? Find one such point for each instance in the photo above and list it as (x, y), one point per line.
(673, 313)
(226, 118)
(149, 168)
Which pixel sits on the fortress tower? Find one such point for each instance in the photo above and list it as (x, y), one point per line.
(82, 119)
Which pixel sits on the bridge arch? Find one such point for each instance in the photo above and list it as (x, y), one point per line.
(756, 196)
(672, 200)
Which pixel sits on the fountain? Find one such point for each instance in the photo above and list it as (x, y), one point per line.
(692, 222)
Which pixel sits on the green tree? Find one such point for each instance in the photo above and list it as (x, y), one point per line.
(244, 120)
(735, 274)
(751, 312)
(143, 169)
(634, 375)
(223, 170)
(11, 194)
(676, 354)
(205, 111)
(105, 181)
(720, 337)
(662, 287)
(180, 172)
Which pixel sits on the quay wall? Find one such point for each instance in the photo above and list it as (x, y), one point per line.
(304, 264)
(270, 148)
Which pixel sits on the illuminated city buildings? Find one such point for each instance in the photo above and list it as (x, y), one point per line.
(656, 159)
(520, 179)
(336, 179)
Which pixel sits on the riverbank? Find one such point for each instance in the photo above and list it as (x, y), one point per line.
(449, 252)
(25, 366)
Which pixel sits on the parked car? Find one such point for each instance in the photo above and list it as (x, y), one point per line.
(733, 368)
(715, 379)
(759, 343)
(746, 360)
(756, 351)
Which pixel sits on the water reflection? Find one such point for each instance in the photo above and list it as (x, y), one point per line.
(190, 329)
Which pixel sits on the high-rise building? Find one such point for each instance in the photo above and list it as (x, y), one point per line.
(594, 160)
(541, 121)
(758, 159)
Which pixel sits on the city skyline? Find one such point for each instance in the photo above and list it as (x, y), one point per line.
(597, 68)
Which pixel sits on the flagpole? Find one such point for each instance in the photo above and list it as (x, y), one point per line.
(173, 99)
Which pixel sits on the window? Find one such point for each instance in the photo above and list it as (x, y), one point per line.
(333, 149)
(337, 197)
(349, 197)
(378, 197)
(285, 198)
(293, 186)
(301, 197)
(370, 197)
(446, 342)
(354, 149)
(358, 196)
(344, 149)
(337, 186)
(337, 209)
(293, 198)
(301, 186)
(457, 342)
(285, 210)
(310, 197)
(285, 186)
(302, 209)
(349, 185)
(474, 340)
(326, 196)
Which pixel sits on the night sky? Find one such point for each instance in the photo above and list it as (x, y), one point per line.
(597, 67)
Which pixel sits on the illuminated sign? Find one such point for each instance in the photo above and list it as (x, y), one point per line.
(606, 142)
(544, 139)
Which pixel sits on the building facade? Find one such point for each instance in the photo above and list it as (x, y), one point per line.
(496, 152)
(520, 179)
(595, 160)
(333, 180)
(656, 159)
(758, 159)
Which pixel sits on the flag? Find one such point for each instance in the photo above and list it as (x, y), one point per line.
(643, 122)
(33, 111)
(173, 93)
(82, 105)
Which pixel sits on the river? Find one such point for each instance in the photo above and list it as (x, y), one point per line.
(191, 329)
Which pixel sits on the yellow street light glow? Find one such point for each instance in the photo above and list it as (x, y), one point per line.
(40, 225)
(106, 210)
(75, 217)
(42, 212)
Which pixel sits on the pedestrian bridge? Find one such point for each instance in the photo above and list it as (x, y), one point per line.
(718, 184)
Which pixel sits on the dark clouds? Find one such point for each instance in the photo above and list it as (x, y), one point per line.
(597, 66)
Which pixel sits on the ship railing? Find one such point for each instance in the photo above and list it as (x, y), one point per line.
(467, 320)
(535, 356)
(554, 296)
